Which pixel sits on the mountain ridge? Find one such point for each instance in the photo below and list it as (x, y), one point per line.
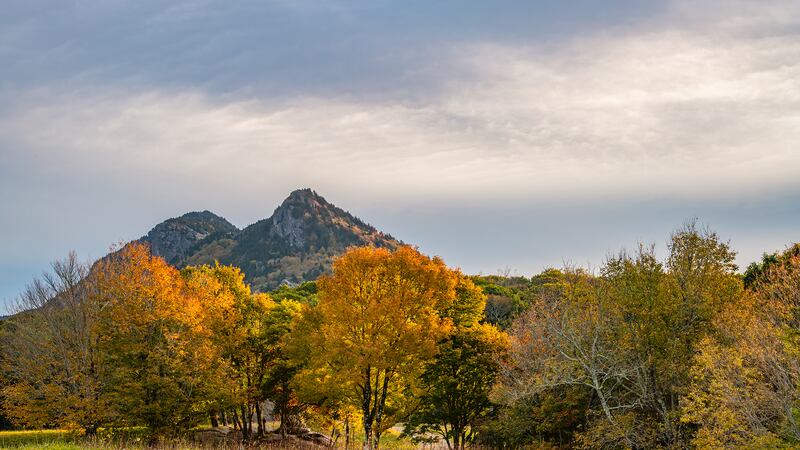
(298, 242)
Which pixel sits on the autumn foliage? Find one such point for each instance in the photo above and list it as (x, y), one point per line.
(646, 351)
(379, 318)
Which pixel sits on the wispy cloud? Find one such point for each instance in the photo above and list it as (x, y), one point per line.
(699, 100)
(675, 110)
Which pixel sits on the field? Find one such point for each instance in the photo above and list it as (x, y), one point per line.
(63, 440)
(48, 439)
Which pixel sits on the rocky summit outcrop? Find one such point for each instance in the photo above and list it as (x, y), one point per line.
(297, 243)
(176, 239)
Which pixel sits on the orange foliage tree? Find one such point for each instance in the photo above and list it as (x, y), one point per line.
(154, 336)
(379, 318)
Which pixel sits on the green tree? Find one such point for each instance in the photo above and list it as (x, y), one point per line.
(305, 293)
(281, 368)
(456, 385)
(758, 271)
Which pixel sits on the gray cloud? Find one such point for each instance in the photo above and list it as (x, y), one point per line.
(274, 47)
(567, 135)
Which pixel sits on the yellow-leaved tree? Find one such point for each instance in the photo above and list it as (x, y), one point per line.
(238, 323)
(379, 319)
(745, 378)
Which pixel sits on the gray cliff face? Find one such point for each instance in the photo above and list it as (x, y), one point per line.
(288, 225)
(175, 238)
(293, 220)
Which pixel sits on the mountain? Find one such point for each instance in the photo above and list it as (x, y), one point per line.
(297, 243)
(178, 238)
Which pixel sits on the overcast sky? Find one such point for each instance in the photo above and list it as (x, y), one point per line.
(497, 134)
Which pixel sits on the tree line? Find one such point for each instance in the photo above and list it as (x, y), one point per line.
(643, 352)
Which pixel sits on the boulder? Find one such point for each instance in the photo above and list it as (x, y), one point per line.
(306, 440)
(215, 436)
(317, 438)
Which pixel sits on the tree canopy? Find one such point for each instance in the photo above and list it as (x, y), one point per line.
(652, 349)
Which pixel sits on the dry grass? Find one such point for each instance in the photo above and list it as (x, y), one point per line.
(63, 440)
(33, 439)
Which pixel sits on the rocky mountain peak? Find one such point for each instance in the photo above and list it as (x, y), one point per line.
(297, 243)
(203, 216)
(306, 196)
(174, 238)
(299, 213)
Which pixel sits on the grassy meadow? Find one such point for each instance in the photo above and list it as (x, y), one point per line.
(65, 440)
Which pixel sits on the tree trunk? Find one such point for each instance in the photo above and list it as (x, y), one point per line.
(246, 424)
(334, 435)
(214, 421)
(347, 433)
(236, 424)
(367, 435)
(446, 436)
(604, 403)
(381, 404)
(366, 408)
(258, 418)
